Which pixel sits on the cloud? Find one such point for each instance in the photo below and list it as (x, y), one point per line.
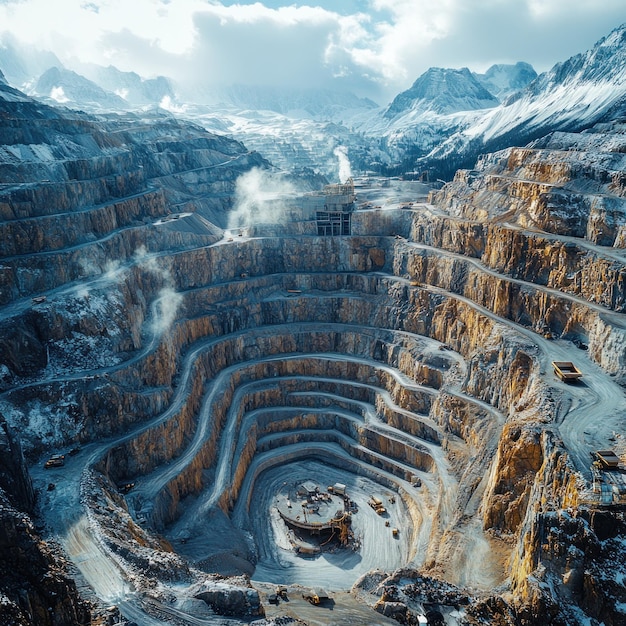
(257, 45)
(58, 94)
(373, 47)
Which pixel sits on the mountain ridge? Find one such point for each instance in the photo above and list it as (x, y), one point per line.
(572, 96)
(442, 91)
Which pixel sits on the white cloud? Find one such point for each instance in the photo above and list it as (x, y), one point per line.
(377, 49)
(58, 94)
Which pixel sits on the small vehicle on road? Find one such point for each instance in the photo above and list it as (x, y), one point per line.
(566, 371)
(317, 597)
(56, 460)
(606, 458)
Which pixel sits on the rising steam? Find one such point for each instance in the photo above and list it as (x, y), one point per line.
(345, 171)
(259, 198)
(168, 300)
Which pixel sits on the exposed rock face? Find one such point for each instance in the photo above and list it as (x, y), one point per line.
(35, 585)
(14, 478)
(521, 452)
(105, 192)
(414, 353)
(227, 599)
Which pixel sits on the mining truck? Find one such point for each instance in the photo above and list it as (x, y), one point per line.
(318, 596)
(56, 460)
(377, 505)
(607, 458)
(566, 371)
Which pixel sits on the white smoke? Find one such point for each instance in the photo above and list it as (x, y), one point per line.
(168, 300)
(345, 171)
(166, 308)
(169, 105)
(259, 199)
(58, 94)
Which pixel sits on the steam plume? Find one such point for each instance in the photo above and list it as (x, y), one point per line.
(345, 171)
(258, 196)
(169, 300)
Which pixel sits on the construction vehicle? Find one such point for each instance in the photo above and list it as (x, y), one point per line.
(566, 371)
(395, 532)
(316, 597)
(607, 458)
(338, 489)
(377, 505)
(56, 460)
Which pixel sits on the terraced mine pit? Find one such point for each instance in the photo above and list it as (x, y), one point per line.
(374, 338)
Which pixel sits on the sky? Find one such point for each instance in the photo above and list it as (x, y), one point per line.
(374, 48)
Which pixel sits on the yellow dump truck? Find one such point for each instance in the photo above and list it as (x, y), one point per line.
(377, 505)
(317, 596)
(607, 458)
(566, 371)
(56, 460)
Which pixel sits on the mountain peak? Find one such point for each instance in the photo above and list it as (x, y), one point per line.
(66, 86)
(443, 91)
(504, 79)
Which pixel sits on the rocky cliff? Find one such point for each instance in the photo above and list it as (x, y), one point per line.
(190, 370)
(36, 586)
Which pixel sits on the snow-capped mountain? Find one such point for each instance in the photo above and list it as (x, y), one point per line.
(440, 103)
(443, 122)
(573, 95)
(503, 79)
(22, 65)
(67, 87)
(442, 91)
(130, 86)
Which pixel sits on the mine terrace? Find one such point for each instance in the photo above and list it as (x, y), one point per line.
(206, 381)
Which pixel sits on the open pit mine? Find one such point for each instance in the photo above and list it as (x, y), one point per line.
(387, 404)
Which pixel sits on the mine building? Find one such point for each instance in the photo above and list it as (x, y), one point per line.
(308, 489)
(306, 508)
(331, 209)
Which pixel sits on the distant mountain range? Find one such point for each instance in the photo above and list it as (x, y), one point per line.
(572, 96)
(130, 86)
(442, 122)
(67, 87)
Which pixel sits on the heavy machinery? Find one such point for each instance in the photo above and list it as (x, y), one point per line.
(566, 371)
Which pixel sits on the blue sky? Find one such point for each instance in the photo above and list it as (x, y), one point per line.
(374, 48)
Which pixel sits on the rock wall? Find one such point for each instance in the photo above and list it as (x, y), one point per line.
(35, 584)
